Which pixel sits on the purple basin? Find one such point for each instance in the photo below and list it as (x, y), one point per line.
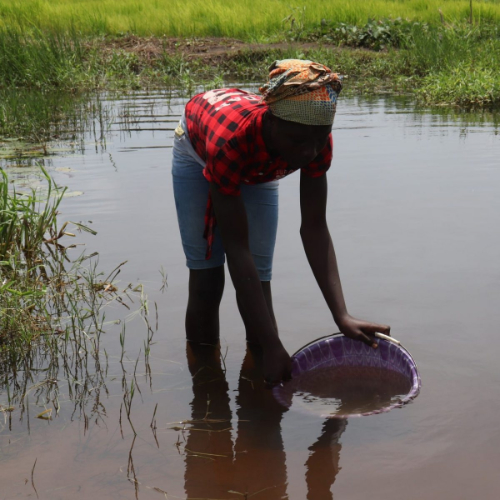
(333, 365)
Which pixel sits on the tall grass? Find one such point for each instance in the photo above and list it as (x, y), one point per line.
(25, 221)
(60, 45)
(35, 59)
(242, 18)
(43, 116)
(43, 293)
(52, 309)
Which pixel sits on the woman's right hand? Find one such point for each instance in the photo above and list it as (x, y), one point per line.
(277, 364)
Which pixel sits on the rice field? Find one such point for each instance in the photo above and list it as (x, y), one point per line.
(246, 19)
(442, 51)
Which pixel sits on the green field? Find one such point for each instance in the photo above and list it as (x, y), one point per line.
(436, 50)
(247, 19)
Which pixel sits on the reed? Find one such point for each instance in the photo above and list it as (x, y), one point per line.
(35, 59)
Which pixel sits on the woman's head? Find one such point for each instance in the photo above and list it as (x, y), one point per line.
(302, 98)
(302, 92)
(296, 143)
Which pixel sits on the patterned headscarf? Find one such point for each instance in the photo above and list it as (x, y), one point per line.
(302, 92)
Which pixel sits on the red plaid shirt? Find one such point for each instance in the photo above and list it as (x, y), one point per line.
(225, 129)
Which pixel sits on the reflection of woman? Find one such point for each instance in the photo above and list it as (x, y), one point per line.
(323, 462)
(260, 460)
(257, 464)
(208, 448)
(229, 150)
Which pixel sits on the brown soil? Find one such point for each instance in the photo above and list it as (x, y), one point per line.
(206, 49)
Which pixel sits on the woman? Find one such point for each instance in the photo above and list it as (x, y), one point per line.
(230, 149)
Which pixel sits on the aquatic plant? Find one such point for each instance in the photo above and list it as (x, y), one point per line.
(45, 294)
(36, 116)
(37, 59)
(465, 85)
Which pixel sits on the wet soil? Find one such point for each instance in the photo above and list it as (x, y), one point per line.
(208, 50)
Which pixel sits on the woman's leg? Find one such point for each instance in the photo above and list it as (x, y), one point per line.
(206, 277)
(266, 289)
(202, 316)
(261, 204)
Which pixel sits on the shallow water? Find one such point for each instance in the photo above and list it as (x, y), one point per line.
(413, 209)
(346, 390)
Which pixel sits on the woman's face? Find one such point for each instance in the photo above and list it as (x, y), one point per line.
(297, 144)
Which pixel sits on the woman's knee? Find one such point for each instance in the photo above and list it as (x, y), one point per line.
(206, 286)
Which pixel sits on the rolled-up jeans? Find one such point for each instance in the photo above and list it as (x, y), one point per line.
(191, 190)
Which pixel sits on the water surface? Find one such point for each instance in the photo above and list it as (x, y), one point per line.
(346, 390)
(413, 210)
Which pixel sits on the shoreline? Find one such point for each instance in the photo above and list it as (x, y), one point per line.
(436, 65)
(452, 65)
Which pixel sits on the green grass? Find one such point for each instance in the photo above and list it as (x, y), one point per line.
(430, 50)
(453, 65)
(464, 85)
(34, 116)
(243, 18)
(49, 302)
(53, 310)
(33, 275)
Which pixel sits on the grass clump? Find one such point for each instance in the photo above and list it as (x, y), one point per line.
(39, 116)
(463, 85)
(36, 59)
(52, 311)
(44, 295)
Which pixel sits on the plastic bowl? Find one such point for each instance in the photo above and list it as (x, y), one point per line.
(335, 352)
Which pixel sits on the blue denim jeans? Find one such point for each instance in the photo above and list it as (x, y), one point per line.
(191, 195)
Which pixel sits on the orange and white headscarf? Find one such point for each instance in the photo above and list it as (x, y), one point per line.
(302, 92)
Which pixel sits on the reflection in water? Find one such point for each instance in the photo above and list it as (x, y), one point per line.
(410, 187)
(323, 462)
(256, 465)
(346, 390)
(208, 446)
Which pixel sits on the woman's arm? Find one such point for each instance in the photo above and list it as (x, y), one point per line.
(321, 256)
(232, 221)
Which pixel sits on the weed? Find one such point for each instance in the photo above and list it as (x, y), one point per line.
(51, 307)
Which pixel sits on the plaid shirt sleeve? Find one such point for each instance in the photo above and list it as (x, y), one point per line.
(322, 162)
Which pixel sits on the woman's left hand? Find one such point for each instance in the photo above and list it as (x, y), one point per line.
(363, 331)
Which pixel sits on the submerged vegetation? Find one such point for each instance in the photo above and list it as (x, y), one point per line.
(43, 293)
(52, 305)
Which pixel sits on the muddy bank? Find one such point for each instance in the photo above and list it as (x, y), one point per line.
(210, 50)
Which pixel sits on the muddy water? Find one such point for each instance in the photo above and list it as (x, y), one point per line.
(413, 210)
(346, 390)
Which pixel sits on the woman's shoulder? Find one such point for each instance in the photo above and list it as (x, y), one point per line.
(218, 103)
